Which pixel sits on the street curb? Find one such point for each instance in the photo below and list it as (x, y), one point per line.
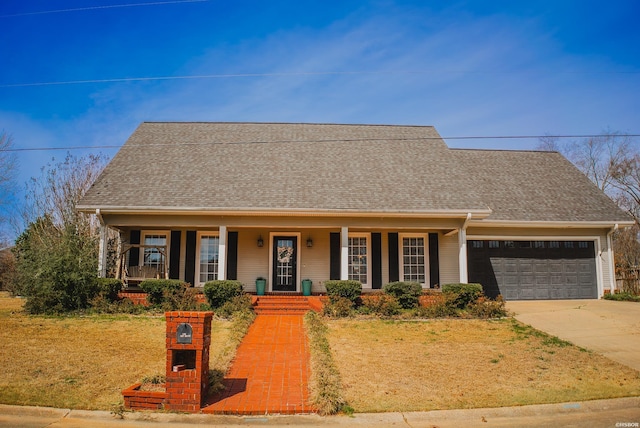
(361, 419)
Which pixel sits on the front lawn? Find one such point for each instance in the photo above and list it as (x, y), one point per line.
(81, 362)
(450, 364)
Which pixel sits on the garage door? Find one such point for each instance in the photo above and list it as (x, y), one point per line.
(534, 270)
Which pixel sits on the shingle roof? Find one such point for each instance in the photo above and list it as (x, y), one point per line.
(326, 167)
(535, 186)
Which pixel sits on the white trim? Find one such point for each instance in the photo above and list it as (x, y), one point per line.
(344, 253)
(561, 238)
(199, 236)
(425, 237)
(549, 224)
(222, 253)
(462, 257)
(242, 211)
(271, 255)
(612, 266)
(366, 235)
(102, 251)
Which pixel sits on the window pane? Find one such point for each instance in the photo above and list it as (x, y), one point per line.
(154, 252)
(358, 259)
(414, 259)
(208, 258)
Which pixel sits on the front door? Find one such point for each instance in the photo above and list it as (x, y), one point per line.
(285, 253)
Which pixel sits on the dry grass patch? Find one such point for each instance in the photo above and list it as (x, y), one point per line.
(81, 362)
(449, 364)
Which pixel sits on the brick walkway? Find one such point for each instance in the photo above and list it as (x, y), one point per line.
(270, 372)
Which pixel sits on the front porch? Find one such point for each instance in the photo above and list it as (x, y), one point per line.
(428, 251)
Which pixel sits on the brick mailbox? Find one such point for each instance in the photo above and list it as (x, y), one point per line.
(187, 342)
(187, 380)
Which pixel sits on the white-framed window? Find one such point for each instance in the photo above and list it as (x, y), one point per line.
(208, 250)
(155, 251)
(359, 251)
(414, 262)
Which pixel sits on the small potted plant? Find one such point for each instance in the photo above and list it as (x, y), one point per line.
(261, 284)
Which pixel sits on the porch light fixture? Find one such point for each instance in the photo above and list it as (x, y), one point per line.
(260, 241)
(309, 242)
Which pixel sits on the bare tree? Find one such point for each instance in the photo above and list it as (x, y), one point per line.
(627, 182)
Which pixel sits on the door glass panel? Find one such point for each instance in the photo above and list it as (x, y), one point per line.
(284, 266)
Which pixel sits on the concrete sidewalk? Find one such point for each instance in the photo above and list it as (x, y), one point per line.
(599, 413)
(607, 327)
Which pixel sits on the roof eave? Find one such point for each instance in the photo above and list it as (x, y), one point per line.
(291, 212)
(552, 224)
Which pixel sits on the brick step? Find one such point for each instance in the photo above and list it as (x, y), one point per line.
(281, 311)
(281, 305)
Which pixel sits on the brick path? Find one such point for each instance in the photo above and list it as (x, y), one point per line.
(270, 372)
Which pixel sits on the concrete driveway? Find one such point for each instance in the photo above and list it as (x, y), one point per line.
(607, 327)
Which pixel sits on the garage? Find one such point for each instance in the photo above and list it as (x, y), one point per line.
(534, 270)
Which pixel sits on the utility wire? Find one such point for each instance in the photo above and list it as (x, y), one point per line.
(475, 137)
(282, 74)
(113, 6)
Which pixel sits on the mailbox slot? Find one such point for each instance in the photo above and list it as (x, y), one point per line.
(186, 358)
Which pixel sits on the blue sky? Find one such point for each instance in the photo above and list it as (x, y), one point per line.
(470, 68)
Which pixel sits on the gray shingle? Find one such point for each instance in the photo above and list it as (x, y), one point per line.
(363, 168)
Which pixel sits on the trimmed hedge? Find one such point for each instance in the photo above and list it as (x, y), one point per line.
(221, 291)
(406, 293)
(347, 289)
(464, 293)
(109, 288)
(156, 288)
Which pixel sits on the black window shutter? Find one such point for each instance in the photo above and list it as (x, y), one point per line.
(174, 255)
(232, 255)
(334, 260)
(376, 260)
(134, 253)
(434, 260)
(394, 268)
(190, 258)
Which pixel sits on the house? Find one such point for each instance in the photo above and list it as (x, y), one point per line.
(287, 202)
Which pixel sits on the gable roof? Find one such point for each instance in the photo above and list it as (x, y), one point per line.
(364, 169)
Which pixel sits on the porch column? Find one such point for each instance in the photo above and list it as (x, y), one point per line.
(462, 255)
(102, 251)
(344, 253)
(222, 253)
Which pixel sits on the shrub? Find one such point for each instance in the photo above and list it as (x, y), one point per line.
(407, 293)
(622, 297)
(381, 304)
(155, 289)
(236, 304)
(443, 308)
(221, 291)
(464, 293)
(109, 288)
(339, 307)
(344, 288)
(183, 298)
(483, 307)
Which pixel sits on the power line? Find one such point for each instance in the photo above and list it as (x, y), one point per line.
(113, 6)
(278, 74)
(473, 137)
